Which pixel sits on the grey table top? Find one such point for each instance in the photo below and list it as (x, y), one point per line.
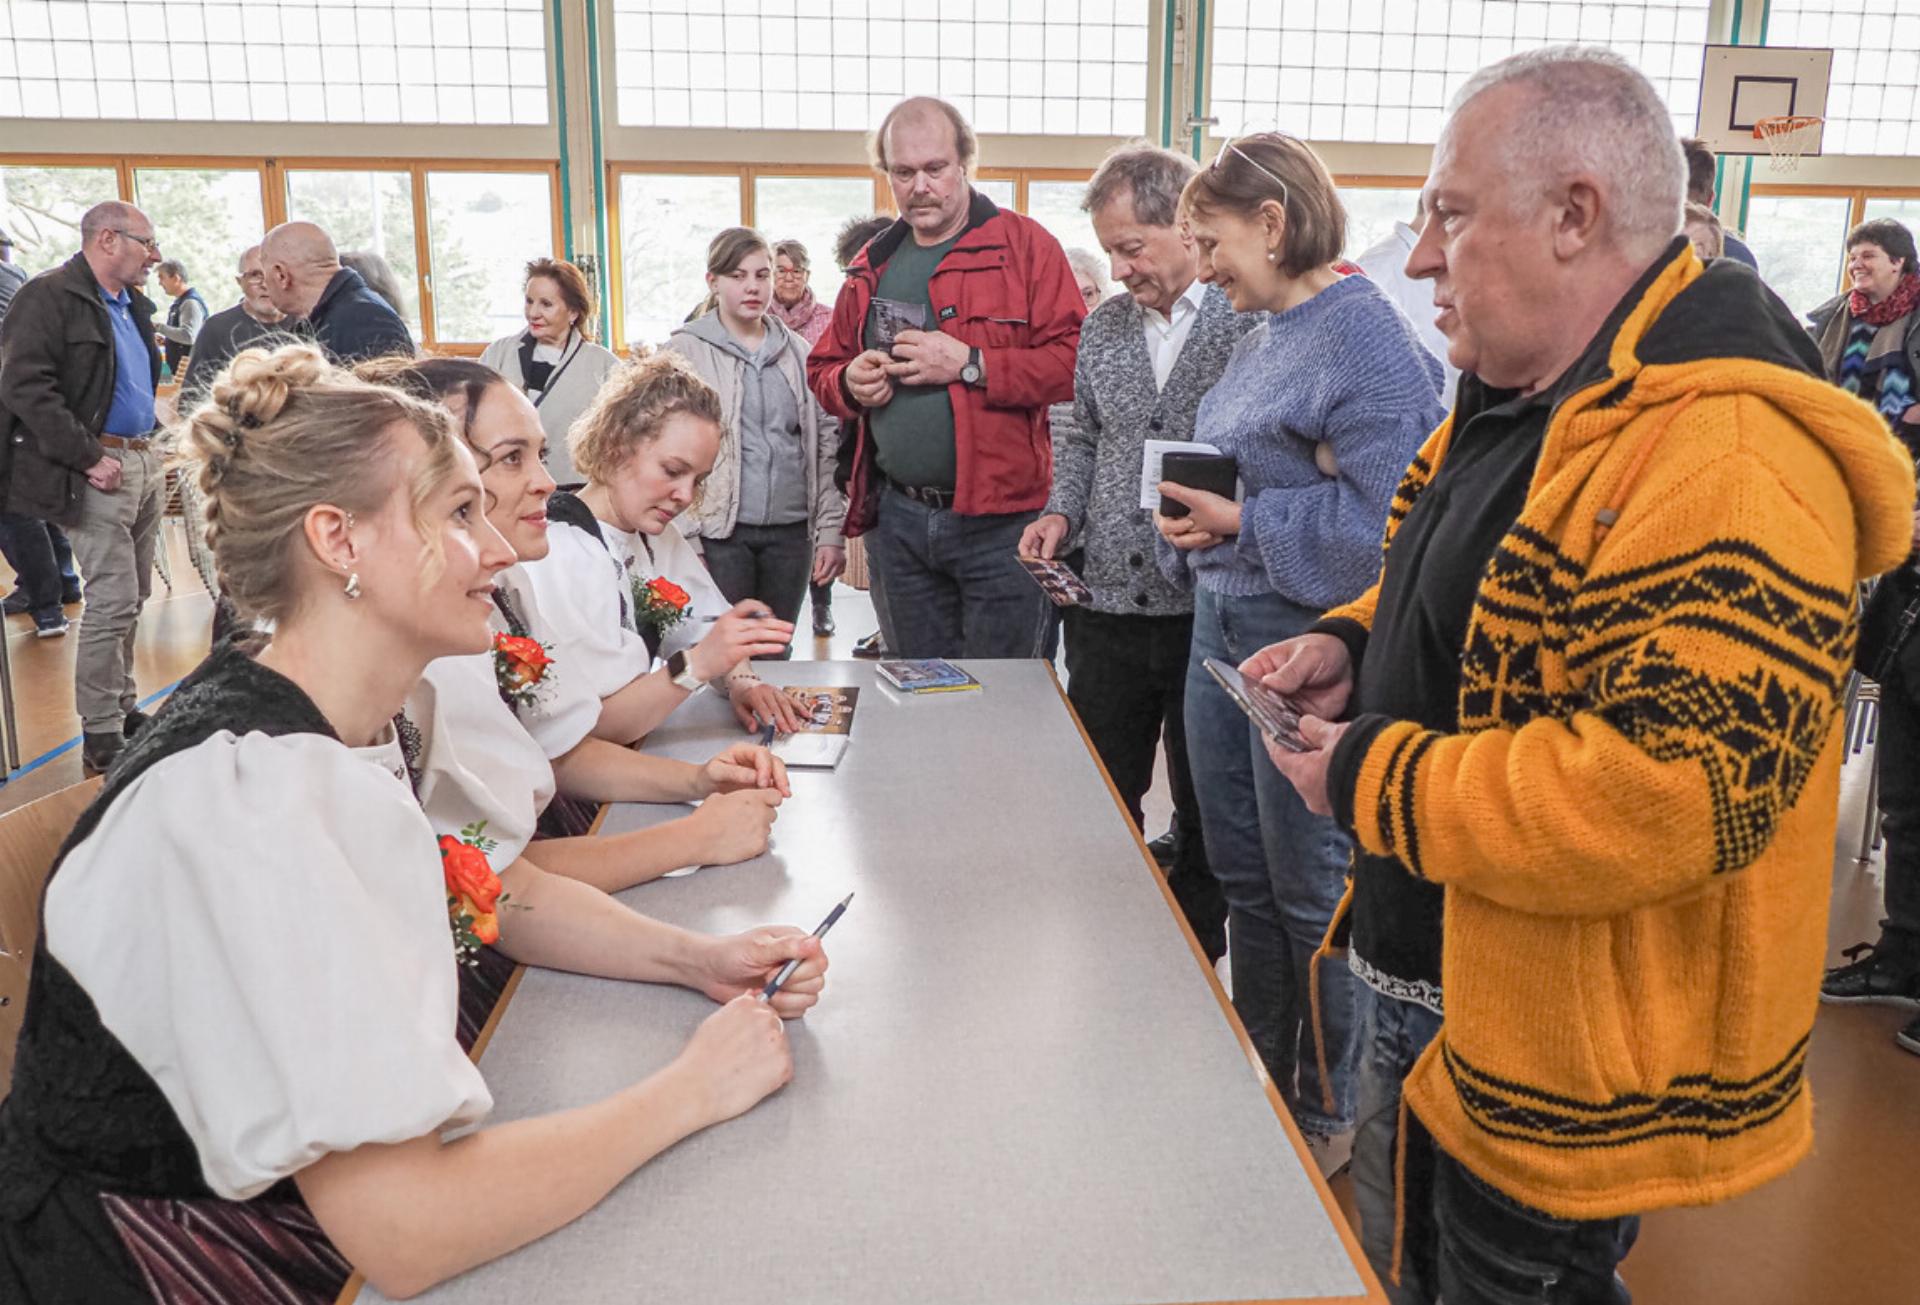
(1020, 1085)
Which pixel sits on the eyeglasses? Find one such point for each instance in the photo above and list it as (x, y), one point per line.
(149, 243)
(788, 273)
(1255, 164)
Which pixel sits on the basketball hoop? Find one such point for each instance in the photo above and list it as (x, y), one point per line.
(1787, 138)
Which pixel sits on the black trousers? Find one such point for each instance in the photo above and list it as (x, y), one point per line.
(1897, 757)
(1127, 677)
(41, 558)
(770, 563)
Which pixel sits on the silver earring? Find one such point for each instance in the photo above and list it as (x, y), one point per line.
(353, 584)
(1272, 256)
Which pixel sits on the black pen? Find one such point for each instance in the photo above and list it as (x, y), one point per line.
(786, 971)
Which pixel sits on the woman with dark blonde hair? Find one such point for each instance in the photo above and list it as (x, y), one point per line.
(555, 361)
(238, 1068)
(1322, 406)
(769, 520)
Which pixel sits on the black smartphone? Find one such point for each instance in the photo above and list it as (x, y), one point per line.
(1217, 473)
(1277, 718)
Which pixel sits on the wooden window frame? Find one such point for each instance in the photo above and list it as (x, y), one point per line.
(1856, 208)
(273, 171)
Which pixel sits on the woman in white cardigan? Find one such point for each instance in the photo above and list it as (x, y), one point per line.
(555, 362)
(769, 518)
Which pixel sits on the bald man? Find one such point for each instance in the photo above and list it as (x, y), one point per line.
(78, 371)
(955, 331)
(326, 301)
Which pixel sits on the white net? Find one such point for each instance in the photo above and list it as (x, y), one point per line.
(1787, 139)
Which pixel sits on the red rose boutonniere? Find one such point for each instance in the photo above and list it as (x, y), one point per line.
(520, 668)
(473, 890)
(659, 603)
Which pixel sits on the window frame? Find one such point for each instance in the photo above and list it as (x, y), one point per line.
(1856, 209)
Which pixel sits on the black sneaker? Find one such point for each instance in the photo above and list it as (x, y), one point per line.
(136, 721)
(1164, 849)
(97, 751)
(869, 648)
(16, 604)
(1883, 976)
(1909, 1037)
(822, 622)
(50, 627)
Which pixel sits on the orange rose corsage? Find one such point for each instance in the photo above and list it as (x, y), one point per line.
(520, 668)
(659, 604)
(473, 891)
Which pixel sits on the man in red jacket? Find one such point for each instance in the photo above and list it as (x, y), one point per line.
(956, 328)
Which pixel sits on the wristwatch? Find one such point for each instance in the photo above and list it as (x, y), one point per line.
(682, 677)
(973, 371)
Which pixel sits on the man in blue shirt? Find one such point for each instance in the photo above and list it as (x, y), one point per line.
(78, 370)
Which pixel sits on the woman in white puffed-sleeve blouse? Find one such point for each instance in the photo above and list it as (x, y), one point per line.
(238, 1061)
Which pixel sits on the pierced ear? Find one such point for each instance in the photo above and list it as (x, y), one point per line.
(329, 535)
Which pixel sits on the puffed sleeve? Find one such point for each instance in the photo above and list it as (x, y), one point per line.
(578, 588)
(478, 762)
(262, 923)
(674, 557)
(566, 709)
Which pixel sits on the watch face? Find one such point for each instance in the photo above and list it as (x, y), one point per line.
(970, 373)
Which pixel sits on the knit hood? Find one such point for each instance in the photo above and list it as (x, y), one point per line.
(1674, 335)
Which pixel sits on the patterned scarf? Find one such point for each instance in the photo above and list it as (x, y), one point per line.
(1904, 299)
(795, 316)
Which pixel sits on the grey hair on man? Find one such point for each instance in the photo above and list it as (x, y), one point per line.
(172, 267)
(109, 215)
(1594, 113)
(1153, 176)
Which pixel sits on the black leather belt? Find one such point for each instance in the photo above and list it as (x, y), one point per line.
(939, 499)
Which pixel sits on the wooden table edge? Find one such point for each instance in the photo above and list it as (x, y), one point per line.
(351, 1292)
(1376, 1295)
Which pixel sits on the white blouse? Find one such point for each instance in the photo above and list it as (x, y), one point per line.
(567, 707)
(262, 923)
(670, 554)
(476, 761)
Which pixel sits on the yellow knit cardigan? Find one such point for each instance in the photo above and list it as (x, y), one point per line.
(1635, 820)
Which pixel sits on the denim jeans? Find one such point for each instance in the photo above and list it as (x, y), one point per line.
(1495, 1251)
(1392, 1034)
(954, 586)
(1281, 868)
(42, 561)
(770, 563)
(1897, 759)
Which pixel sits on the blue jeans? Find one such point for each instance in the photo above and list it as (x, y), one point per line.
(954, 586)
(1496, 1251)
(1281, 868)
(1392, 1034)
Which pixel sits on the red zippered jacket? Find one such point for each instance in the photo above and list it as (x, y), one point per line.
(1005, 287)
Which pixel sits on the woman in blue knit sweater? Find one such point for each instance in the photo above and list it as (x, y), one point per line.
(1323, 407)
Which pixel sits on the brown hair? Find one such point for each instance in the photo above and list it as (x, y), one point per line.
(1270, 167)
(632, 406)
(730, 248)
(794, 252)
(966, 144)
(1700, 169)
(1699, 215)
(438, 380)
(575, 293)
(284, 432)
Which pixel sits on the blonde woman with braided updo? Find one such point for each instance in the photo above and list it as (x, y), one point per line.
(246, 973)
(646, 448)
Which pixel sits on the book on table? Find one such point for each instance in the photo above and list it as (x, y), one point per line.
(927, 675)
(826, 713)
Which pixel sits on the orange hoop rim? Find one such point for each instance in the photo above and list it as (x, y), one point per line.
(1782, 124)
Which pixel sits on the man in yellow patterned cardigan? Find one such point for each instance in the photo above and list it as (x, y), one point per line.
(1597, 690)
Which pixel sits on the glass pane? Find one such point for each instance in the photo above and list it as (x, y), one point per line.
(1904, 211)
(41, 209)
(1876, 78)
(482, 228)
(1055, 205)
(1799, 242)
(811, 210)
(1371, 213)
(998, 189)
(206, 218)
(1066, 66)
(666, 223)
(370, 211)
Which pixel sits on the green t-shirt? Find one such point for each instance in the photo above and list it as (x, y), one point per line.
(913, 434)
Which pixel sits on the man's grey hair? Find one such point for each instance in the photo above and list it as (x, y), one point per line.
(1153, 176)
(241, 265)
(172, 267)
(1593, 112)
(109, 215)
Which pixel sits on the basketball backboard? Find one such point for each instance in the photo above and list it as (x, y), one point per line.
(1741, 84)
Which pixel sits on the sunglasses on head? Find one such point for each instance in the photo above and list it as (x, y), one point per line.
(1228, 147)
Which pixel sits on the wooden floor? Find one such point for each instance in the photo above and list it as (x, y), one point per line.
(1839, 1228)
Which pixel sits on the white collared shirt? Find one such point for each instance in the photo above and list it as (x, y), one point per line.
(1166, 336)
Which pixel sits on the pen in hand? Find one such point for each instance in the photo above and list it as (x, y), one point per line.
(786, 971)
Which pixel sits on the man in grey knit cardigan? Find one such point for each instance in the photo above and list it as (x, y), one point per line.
(1146, 360)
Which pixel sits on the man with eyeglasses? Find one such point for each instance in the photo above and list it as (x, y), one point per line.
(78, 371)
(230, 330)
(955, 331)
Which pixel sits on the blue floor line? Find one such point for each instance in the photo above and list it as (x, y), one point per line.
(74, 742)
